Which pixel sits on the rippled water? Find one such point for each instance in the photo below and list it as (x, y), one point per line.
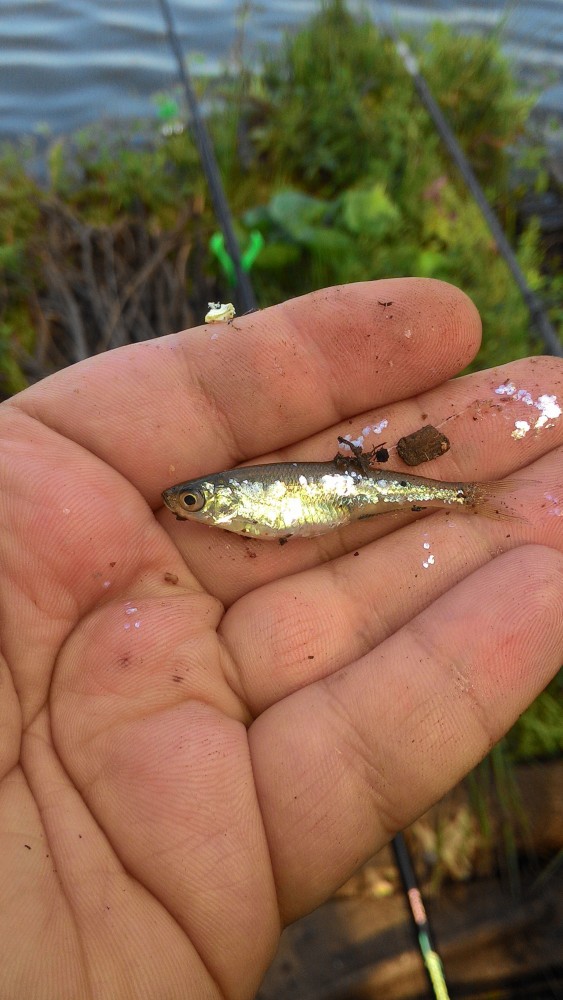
(64, 63)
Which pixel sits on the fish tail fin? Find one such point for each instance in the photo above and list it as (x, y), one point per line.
(485, 498)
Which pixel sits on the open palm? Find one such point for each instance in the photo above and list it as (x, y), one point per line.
(202, 736)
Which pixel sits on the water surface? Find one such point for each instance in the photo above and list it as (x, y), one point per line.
(65, 63)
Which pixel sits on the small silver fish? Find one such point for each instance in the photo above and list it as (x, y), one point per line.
(311, 498)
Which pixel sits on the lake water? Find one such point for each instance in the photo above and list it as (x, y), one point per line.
(65, 63)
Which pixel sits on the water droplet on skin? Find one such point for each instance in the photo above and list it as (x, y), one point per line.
(130, 611)
(66, 510)
(137, 624)
(106, 584)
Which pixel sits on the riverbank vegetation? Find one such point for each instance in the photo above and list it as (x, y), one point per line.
(325, 150)
(327, 153)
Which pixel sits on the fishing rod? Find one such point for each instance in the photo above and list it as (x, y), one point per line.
(243, 288)
(430, 957)
(538, 315)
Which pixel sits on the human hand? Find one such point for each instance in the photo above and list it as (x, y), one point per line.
(204, 735)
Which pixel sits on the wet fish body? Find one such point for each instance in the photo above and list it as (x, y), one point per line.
(311, 498)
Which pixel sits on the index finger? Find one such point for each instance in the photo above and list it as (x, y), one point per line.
(212, 397)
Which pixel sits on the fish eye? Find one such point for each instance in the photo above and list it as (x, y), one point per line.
(193, 500)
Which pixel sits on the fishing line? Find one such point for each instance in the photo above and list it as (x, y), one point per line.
(431, 959)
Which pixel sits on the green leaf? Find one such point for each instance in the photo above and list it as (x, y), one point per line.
(295, 212)
(277, 256)
(371, 211)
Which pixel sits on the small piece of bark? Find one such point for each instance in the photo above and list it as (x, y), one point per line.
(423, 445)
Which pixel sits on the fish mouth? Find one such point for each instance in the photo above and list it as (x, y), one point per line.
(171, 500)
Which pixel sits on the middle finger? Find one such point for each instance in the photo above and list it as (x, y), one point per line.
(307, 626)
(478, 416)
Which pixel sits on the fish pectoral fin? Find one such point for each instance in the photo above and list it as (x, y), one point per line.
(366, 517)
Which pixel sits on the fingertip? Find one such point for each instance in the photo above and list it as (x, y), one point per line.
(448, 316)
(457, 306)
(410, 324)
(534, 580)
